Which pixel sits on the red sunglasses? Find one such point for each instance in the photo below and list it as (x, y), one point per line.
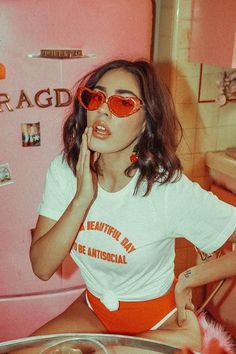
(118, 105)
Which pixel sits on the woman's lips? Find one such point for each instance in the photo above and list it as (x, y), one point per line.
(101, 130)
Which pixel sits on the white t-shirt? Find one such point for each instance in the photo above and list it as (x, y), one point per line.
(125, 248)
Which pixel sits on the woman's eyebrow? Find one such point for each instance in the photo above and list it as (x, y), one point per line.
(118, 91)
(124, 91)
(99, 87)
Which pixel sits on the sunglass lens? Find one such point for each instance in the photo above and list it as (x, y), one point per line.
(122, 106)
(91, 99)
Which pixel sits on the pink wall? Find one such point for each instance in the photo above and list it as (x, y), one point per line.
(109, 29)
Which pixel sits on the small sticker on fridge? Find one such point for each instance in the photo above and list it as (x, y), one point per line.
(30, 133)
(5, 175)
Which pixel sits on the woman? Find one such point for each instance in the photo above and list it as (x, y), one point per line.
(116, 199)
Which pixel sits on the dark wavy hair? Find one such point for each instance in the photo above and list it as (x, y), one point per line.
(157, 145)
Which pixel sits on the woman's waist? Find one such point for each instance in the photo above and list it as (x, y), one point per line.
(128, 296)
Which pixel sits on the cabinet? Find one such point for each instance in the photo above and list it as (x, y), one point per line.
(213, 33)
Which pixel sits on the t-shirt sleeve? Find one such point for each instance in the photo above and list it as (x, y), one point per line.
(198, 215)
(55, 197)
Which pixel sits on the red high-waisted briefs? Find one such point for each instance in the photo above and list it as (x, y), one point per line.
(134, 317)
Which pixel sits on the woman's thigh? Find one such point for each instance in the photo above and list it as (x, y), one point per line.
(188, 335)
(169, 333)
(78, 317)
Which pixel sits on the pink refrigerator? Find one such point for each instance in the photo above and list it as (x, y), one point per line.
(35, 95)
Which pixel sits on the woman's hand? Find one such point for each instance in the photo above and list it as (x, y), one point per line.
(183, 297)
(86, 178)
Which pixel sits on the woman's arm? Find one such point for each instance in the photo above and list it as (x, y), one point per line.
(216, 269)
(53, 240)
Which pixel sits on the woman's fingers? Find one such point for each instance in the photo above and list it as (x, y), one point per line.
(181, 316)
(181, 311)
(82, 154)
(89, 134)
(180, 304)
(87, 161)
(95, 155)
(190, 305)
(86, 158)
(183, 299)
(86, 181)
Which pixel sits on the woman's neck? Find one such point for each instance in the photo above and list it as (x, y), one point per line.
(113, 166)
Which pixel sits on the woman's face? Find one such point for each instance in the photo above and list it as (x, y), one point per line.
(110, 133)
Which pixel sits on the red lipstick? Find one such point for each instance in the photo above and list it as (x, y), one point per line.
(101, 129)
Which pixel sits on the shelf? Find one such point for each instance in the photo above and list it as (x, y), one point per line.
(38, 56)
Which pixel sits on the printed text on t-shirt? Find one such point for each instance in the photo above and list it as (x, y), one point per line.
(111, 231)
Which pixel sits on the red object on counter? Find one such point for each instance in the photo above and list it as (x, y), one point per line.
(2, 72)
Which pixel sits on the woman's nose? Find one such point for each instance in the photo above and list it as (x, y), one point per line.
(104, 109)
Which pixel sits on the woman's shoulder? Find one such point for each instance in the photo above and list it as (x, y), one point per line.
(59, 167)
(59, 162)
(176, 182)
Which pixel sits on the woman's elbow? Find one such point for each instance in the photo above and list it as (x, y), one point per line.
(38, 268)
(41, 275)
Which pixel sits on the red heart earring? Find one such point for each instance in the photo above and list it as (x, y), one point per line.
(134, 156)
